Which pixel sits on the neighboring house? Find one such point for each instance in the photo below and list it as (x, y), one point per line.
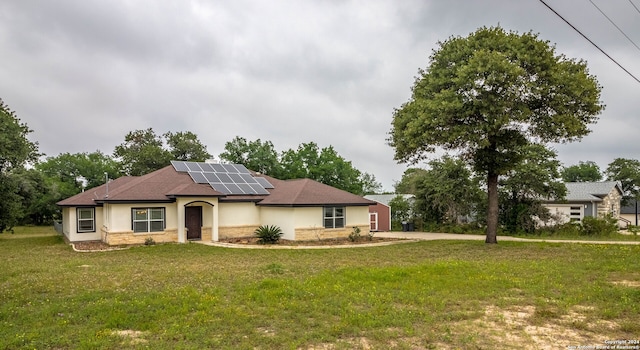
(630, 214)
(380, 212)
(209, 201)
(583, 199)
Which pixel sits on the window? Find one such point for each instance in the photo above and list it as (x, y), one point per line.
(333, 217)
(147, 219)
(86, 219)
(575, 213)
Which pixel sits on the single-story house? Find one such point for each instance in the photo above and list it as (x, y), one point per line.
(584, 199)
(209, 201)
(380, 212)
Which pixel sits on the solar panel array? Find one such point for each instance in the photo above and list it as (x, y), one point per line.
(224, 178)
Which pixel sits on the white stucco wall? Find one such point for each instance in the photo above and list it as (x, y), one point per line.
(238, 214)
(357, 216)
(282, 217)
(308, 217)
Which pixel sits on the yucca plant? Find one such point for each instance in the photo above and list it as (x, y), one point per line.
(268, 234)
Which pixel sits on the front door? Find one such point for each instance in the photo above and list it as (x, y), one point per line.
(193, 222)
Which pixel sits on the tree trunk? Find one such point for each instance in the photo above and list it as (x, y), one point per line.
(492, 211)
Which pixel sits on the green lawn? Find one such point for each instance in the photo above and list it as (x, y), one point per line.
(438, 294)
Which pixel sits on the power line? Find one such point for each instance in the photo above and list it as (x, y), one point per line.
(615, 25)
(589, 40)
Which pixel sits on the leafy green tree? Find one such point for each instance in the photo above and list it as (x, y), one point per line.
(409, 182)
(300, 163)
(78, 171)
(61, 177)
(401, 211)
(15, 147)
(38, 196)
(446, 191)
(15, 151)
(323, 165)
(369, 184)
(627, 171)
(522, 188)
(186, 146)
(255, 155)
(582, 172)
(141, 152)
(487, 96)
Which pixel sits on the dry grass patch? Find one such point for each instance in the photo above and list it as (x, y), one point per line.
(518, 327)
(130, 336)
(627, 283)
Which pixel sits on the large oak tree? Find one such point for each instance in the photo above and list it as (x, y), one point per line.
(487, 96)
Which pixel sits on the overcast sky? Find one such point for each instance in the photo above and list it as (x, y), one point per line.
(83, 73)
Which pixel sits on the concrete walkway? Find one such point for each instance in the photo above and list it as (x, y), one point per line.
(429, 236)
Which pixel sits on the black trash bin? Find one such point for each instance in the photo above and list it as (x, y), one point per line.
(405, 227)
(410, 227)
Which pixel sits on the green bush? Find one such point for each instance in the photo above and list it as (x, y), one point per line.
(592, 226)
(268, 234)
(569, 229)
(355, 234)
(633, 229)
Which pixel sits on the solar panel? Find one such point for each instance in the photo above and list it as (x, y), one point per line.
(242, 169)
(206, 167)
(229, 168)
(248, 179)
(224, 178)
(259, 189)
(220, 188)
(179, 166)
(237, 178)
(198, 177)
(193, 166)
(218, 168)
(234, 189)
(263, 182)
(212, 178)
(246, 189)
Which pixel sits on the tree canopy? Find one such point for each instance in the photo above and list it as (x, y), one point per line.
(15, 148)
(307, 161)
(537, 177)
(15, 151)
(582, 172)
(627, 171)
(487, 96)
(185, 145)
(255, 155)
(143, 151)
(446, 192)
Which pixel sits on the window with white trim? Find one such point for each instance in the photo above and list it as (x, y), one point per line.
(147, 219)
(333, 217)
(86, 219)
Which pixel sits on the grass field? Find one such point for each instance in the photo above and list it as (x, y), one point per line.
(427, 295)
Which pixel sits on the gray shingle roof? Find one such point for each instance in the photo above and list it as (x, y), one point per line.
(589, 191)
(386, 198)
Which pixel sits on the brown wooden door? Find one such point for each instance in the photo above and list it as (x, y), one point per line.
(193, 222)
